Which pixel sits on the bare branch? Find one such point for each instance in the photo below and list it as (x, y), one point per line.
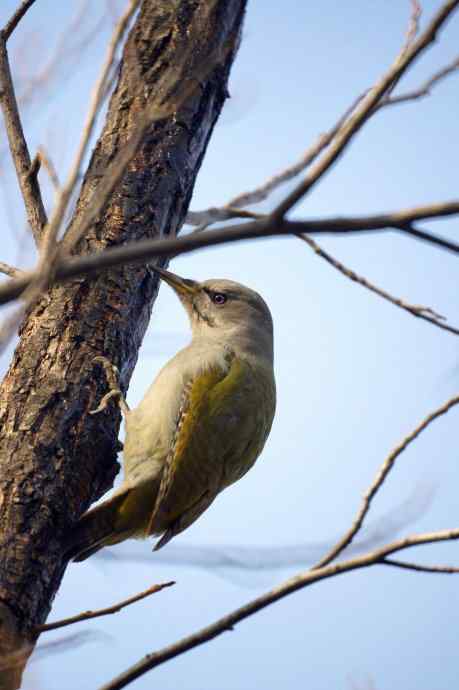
(147, 250)
(424, 89)
(446, 569)
(86, 615)
(288, 587)
(45, 161)
(421, 312)
(442, 242)
(404, 59)
(9, 270)
(16, 18)
(268, 225)
(235, 208)
(413, 24)
(230, 210)
(28, 183)
(95, 103)
(71, 43)
(380, 478)
(202, 219)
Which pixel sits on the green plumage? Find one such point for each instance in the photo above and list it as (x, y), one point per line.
(199, 429)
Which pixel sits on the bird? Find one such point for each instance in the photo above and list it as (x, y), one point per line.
(201, 425)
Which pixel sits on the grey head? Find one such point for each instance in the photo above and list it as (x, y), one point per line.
(225, 310)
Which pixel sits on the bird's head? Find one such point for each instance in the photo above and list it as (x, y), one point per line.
(220, 308)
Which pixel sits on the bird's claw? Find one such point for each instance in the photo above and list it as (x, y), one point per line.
(112, 375)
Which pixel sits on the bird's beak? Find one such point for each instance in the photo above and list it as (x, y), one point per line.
(184, 287)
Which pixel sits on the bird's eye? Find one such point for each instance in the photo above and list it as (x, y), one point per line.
(219, 298)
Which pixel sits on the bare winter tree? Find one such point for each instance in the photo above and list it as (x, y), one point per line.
(92, 291)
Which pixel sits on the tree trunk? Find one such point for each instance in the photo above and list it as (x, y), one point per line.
(54, 458)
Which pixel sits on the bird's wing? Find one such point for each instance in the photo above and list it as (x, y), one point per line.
(210, 433)
(185, 479)
(185, 520)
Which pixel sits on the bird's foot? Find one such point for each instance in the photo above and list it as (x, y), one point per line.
(115, 392)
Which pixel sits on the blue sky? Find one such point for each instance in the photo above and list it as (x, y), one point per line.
(354, 373)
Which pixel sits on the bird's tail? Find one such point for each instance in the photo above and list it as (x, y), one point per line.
(96, 529)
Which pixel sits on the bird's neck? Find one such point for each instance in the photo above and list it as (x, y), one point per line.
(253, 344)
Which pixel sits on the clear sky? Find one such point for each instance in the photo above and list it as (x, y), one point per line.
(354, 373)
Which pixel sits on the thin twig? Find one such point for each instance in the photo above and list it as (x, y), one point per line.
(71, 43)
(411, 33)
(28, 183)
(202, 219)
(442, 242)
(47, 163)
(380, 478)
(350, 128)
(425, 89)
(86, 615)
(9, 270)
(16, 18)
(94, 106)
(294, 584)
(268, 226)
(417, 310)
(446, 569)
(255, 196)
(413, 24)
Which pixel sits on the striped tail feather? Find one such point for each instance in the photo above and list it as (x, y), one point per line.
(96, 529)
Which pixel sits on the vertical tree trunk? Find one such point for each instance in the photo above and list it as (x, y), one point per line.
(54, 458)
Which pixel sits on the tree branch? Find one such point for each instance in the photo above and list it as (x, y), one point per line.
(87, 615)
(381, 477)
(446, 569)
(210, 632)
(42, 159)
(413, 25)
(16, 18)
(417, 310)
(145, 251)
(68, 188)
(9, 270)
(350, 128)
(28, 183)
(235, 208)
(425, 89)
(419, 234)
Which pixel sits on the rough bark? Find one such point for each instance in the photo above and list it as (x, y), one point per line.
(54, 458)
